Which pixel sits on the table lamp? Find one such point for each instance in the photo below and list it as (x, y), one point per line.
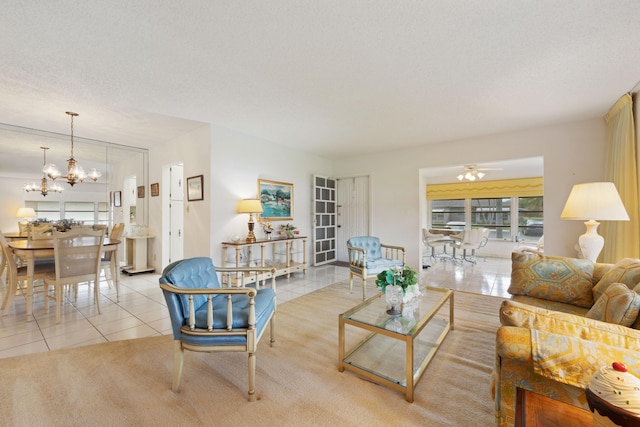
(26, 213)
(250, 206)
(591, 202)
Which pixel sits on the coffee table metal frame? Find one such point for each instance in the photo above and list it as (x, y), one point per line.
(361, 317)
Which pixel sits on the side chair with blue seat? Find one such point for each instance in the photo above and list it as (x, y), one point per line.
(368, 257)
(206, 317)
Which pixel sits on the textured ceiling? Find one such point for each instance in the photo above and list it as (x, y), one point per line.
(330, 77)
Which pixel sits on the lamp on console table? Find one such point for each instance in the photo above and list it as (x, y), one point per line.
(250, 206)
(591, 202)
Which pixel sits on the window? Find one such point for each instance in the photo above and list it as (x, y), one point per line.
(494, 214)
(45, 210)
(447, 213)
(501, 215)
(80, 211)
(530, 218)
(512, 208)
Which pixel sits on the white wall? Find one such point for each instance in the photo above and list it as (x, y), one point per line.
(572, 153)
(238, 160)
(193, 150)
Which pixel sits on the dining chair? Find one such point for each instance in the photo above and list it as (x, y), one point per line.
(40, 232)
(18, 274)
(109, 261)
(77, 260)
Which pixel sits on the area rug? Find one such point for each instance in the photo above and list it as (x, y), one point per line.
(297, 380)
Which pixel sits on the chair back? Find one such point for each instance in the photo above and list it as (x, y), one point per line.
(191, 273)
(476, 237)
(7, 253)
(40, 232)
(116, 231)
(77, 254)
(116, 234)
(370, 244)
(23, 227)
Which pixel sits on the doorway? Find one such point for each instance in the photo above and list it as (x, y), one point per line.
(353, 211)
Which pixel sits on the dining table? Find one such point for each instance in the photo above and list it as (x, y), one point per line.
(30, 250)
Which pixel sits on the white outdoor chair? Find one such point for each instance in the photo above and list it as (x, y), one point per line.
(472, 239)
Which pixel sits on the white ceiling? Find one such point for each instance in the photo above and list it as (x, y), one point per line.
(331, 77)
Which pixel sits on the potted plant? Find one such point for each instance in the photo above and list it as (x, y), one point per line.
(288, 230)
(404, 277)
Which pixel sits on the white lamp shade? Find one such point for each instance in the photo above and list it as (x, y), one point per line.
(249, 206)
(26, 213)
(594, 201)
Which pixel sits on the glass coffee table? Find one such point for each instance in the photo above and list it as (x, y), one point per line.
(395, 350)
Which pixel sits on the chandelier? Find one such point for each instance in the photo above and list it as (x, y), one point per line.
(48, 170)
(75, 172)
(470, 174)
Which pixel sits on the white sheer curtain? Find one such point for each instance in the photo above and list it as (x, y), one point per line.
(622, 238)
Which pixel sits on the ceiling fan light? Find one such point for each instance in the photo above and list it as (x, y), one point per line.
(480, 175)
(460, 177)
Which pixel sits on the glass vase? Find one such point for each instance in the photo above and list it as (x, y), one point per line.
(393, 296)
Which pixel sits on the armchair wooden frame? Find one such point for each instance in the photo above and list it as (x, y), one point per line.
(358, 263)
(214, 339)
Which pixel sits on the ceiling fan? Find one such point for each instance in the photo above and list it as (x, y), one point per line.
(473, 172)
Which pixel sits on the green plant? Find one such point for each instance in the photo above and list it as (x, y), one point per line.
(400, 276)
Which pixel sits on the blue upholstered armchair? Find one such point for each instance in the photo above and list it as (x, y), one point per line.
(368, 257)
(206, 317)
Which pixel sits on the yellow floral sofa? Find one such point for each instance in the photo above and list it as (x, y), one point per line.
(566, 318)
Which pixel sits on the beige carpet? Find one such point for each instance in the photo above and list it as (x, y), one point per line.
(128, 382)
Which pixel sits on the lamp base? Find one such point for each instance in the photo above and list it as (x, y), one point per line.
(251, 237)
(591, 243)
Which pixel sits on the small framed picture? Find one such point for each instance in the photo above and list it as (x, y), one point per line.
(195, 188)
(155, 189)
(117, 199)
(141, 192)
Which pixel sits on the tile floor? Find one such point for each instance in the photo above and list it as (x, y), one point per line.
(141, 311)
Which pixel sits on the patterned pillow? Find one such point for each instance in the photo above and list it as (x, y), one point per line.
(625, 271)
(552, 278)
(618, 304)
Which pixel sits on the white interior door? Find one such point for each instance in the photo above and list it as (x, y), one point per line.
(324, 220)
(176, 214)
(353, 211)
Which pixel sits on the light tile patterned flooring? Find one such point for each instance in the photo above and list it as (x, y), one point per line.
(142, 312)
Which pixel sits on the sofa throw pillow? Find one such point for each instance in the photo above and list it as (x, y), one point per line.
(625, 271)
(618, 304)
(552, 278)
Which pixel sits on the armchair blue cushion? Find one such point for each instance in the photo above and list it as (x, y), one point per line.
(206, 317)
(368, 257)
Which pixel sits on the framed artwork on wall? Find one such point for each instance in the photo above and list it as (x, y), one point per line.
(117, 199)
(195, 188)
(141, 192)
(277, 200)
(155, 189)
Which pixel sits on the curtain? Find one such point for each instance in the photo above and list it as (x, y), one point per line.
(622, 238)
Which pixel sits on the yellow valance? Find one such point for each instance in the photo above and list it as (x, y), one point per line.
(523, 187)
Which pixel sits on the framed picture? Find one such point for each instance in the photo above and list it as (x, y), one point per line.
(155, 189)
(195, 190)
(117, 199)
(277, 200)
(141, 192)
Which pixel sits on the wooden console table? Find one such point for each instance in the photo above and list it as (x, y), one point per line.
(286, 254)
